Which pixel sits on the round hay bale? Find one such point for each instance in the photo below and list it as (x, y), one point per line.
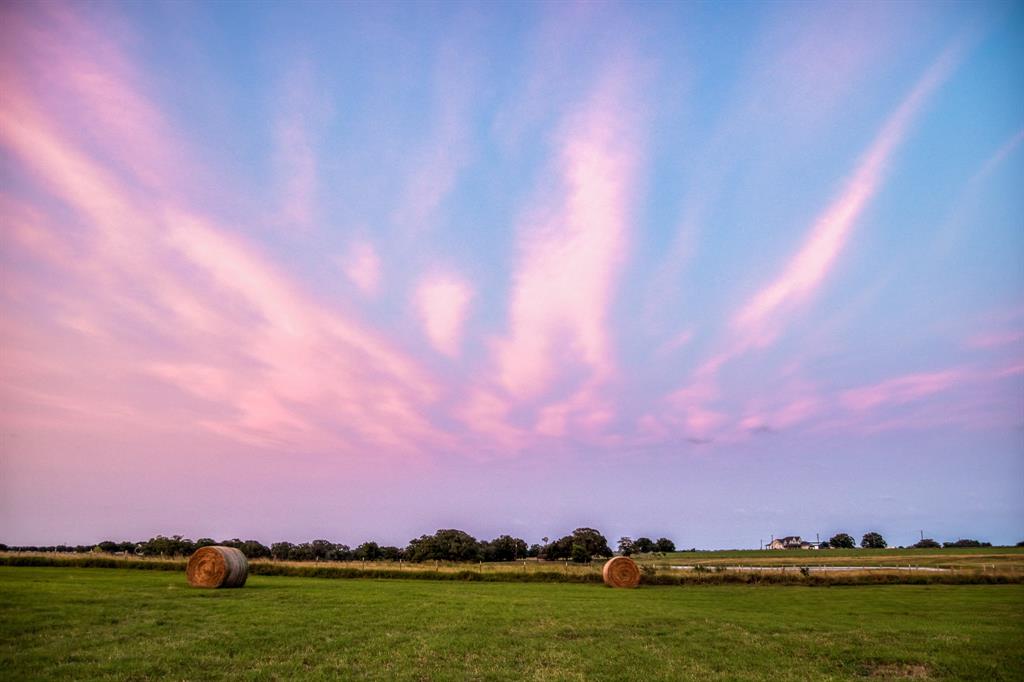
(621, 571)
(217, 566)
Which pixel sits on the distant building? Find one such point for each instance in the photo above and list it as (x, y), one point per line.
(791, 542)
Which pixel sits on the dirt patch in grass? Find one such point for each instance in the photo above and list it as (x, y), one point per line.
(898, 671)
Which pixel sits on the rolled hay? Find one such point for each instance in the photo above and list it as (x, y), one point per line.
(621, 571)
(217, 566)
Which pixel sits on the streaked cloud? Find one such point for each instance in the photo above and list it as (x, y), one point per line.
(900, 390)
(442, 303)
(572, 246)
(758, 319)
(362, 266)
(456, 243)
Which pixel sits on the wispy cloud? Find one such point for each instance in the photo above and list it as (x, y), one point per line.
(442, 303)
(300, 119)
(300, 374)
(760, 321)
(572, 246)
(996, 339)
(446, 149)
(362, 266)
(761, 318)
(900, 390)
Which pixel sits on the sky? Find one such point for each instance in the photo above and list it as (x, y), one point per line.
(354, 271)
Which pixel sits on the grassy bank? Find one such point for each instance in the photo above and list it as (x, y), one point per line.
(708, 573)
(118, 624)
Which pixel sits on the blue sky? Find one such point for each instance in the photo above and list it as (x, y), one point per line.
(710, 271)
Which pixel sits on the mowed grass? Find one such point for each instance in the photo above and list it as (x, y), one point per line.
(69, 623)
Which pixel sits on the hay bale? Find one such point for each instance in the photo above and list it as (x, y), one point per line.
(621, 571)
(217, 566)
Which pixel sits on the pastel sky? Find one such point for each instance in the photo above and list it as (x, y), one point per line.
(362, 271)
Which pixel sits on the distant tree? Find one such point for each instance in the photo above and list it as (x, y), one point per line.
(301, 552)
(321, 549)
(824, 545)
(108, 546)
(625, 546)
(391, 553)
(841, 541)
(557, 549)
(447, 544)
(579, 554)
(281, 550)
(592, 542)
(254, 549)
(966, 542)
(873, 540)
(1021, 543)
(927, 543)
(368, 551)
(534, 550)
(664, 545)
(506, 548)
(175, 545)
(643, 545)
(205, 542)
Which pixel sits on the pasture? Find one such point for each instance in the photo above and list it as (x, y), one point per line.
(73, 623)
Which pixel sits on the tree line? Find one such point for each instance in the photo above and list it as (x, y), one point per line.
(582, 545)
(447, 544)
(875, 540)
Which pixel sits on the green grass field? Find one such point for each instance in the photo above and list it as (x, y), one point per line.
(1011, 558)
(70, 623)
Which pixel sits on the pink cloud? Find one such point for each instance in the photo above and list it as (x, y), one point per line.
(298, 172)
(900, 390)
(997, 157)
(442, 303)
(303, 113)
(676, 342)
(298, 373)
(995, 339)
(786, 416)
(800, 68)
(84, 80)
(960, 220)
(362, 266)
(446, 148)
(689, 409)
(703, 422)
(585, 414)
(488, 416)
(759, 319)
(571, 248)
